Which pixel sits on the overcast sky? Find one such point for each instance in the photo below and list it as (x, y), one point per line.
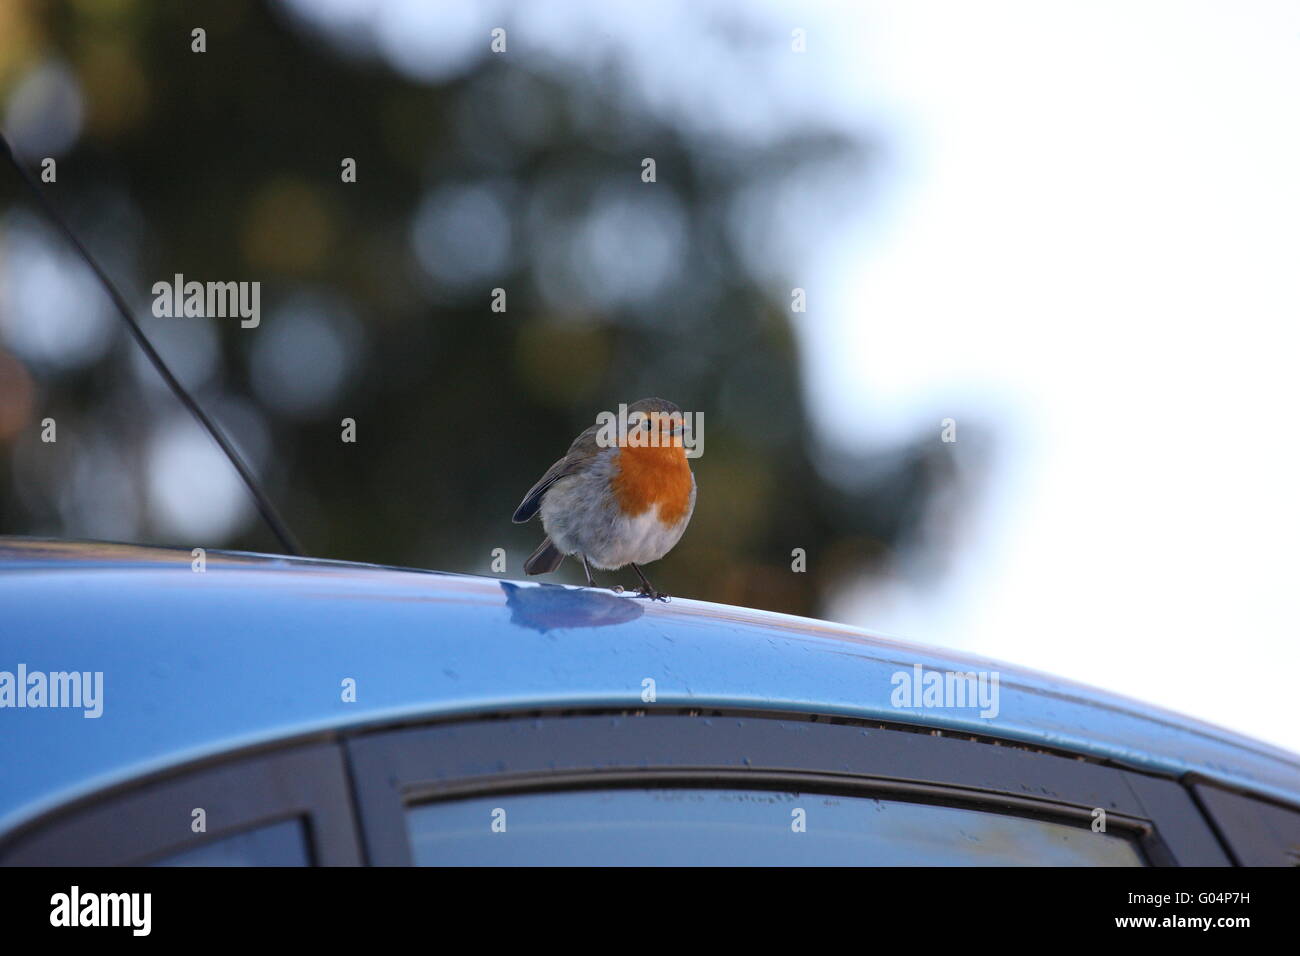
(1087, 231)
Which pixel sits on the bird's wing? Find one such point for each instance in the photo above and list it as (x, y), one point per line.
(583, 449)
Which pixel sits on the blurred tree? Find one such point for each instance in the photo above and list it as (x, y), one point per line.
(513, 174)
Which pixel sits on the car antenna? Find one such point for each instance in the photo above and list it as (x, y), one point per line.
(264, 505)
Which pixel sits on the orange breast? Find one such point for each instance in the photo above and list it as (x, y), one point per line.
(649, 476)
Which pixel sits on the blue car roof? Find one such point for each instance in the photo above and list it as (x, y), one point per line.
(257, 648)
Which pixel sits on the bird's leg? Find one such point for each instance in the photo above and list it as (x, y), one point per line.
(648, 589)
(590, 583)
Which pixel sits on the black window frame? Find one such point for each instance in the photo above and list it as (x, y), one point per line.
(1257, 831)
(396, 768)
(147, 820)
(351, 787)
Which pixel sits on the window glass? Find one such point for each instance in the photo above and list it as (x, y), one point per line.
(279, 844)
(687, 827)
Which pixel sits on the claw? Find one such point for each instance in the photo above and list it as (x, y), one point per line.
(647, 589)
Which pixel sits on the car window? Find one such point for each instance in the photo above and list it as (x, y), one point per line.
(278, 844)
(290, 807)
(687, 827)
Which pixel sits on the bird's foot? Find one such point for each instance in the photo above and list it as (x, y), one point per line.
(648, 589)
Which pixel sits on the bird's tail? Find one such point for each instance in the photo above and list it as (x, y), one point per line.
(545, 559)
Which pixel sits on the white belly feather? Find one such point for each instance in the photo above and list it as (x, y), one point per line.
(639, 540)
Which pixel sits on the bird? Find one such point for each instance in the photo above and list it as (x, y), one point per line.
(615, 499)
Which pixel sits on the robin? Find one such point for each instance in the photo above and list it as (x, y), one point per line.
(619, 502)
